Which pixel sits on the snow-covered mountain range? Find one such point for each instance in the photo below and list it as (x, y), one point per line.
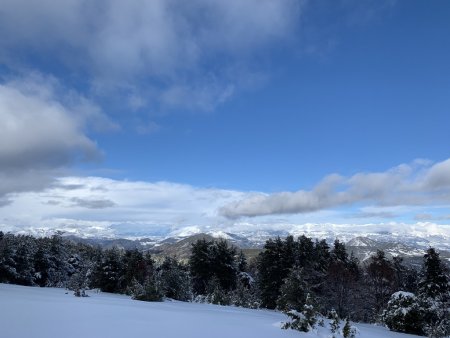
(395, 239)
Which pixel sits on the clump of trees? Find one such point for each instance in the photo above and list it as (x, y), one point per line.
(308, 280)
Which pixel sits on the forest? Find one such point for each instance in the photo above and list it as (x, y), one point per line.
(306, 279)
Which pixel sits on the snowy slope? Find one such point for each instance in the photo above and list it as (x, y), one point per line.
(51, 313)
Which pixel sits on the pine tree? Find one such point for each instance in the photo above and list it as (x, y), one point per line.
(216, 294)
(434, 293)
(381, 278)
(200, 266)
(341, 281)
(110, 271)
(348, 331)
(174, 280)
(8, 272)
(334, 321)
(79, 281)
(150, 291)
(434, 282)
(404, 313)
(246, 292)
(274, 264)
(294, 291)
(303, 320)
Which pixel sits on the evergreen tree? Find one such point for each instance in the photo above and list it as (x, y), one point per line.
(246, 292)
(174, 280)
(293, 291)
(58, 269)
(136, 266)
(434, 293)
(149, 291)
(223, 264)
(110, 271)
(8, 271)
(334, 322)
(79, 281)
(404, 313)
(341, 282)
(434, 281)
(213, 259)
(216, 294)
(303, 320)
(200, 266)
(381, 278)
(274, 264)
(24, 260)
(349, 331)
(41, 265)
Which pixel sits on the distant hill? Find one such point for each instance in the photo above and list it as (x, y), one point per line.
(363, 247)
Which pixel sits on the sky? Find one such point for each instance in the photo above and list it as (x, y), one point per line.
(152, 117)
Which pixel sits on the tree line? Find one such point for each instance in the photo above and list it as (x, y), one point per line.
(305, 278)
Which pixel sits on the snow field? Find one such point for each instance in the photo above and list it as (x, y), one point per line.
(30, 312)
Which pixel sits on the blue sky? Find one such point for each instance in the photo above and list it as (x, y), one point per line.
(250, 104)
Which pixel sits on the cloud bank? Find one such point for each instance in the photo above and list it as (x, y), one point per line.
(401, 199)
(42, 132)
(193, 54)
(416, 184)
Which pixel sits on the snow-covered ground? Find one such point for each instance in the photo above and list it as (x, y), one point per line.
(27, 312)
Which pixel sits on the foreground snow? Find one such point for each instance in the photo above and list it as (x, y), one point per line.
(52, 313)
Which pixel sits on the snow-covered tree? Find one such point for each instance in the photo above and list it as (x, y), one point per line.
(404, 313)
(149, 291)
(334, 321)
(303, 320)
(434, 293)
(79, 282)
(216, 294)
(213, 259)
(246, 292)
(349, 331)
(294, 291)
(381, 279)
(174, 280)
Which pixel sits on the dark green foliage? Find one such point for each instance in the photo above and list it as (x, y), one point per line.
(216, 294)
(434, 293)
(334, 321)
(41, 266)
(339, 253)
(341, 282)
(348, 331)
(404, 313)
(80, 280)
(274, 264)
(8, 270)
(149, 291)
(434, 280)
(174, 280)
(200, 265)
(242, 262)
(381, 279)
(110, 271)
(213, 259)
(136, 266)
(223, 264)
(293, 291)
(303, 320)
(246, 292)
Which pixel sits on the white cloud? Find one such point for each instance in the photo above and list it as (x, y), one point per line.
(96, 206)
(43, 130)
(416, 184)
(180, 45)
(111, 204)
